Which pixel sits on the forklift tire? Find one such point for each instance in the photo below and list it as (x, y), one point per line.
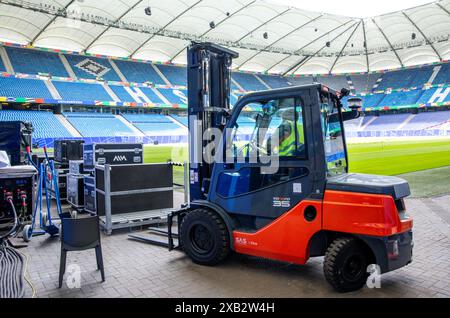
(204, 237)
(345, 265)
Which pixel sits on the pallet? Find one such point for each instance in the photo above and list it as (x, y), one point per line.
(128, 220)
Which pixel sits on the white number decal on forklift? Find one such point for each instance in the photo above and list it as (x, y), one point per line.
(281, 202)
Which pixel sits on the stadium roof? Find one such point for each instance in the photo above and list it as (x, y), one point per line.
(269, 37)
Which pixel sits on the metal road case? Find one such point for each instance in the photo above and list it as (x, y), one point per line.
(112, 154)
(76, 167)
(75, 190)
(67, 150)
(133, 195)
(90, 197)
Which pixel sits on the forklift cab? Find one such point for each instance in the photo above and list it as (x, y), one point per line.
(280, 147)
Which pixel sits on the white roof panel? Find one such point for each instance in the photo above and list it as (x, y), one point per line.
(269, 37)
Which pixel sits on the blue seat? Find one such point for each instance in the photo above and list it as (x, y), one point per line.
(155, 124)
(248, 82)
(98, 125)
(174, 96)
(24, 88)
(45, 124)
(81, 91)
(443, 77)
(2, 66)
(139, 72)
(175, 74)
(28, 61)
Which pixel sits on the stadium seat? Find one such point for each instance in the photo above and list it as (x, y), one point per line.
(301, 80)
(388, 122)
(174, 96)
(175, 74)
(98, 125)
(248, 82)
(416, 77)
(45, 124)
(28, 61)
(372, 100)
(81, 91)
(125, 96)
(428, 120)
(274, 81)
(24, 88)
(335, 82)
(401, 98)
(181, 119)
(155, 125)
(2, 66)
(364, 83)
(139, 72)
(443, 77)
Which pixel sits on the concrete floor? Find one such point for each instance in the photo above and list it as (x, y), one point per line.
(139, 270)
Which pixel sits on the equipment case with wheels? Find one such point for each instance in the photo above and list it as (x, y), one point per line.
(112, 154)
(75, 190)
(90, 204)
(15, 137)
(67, 150)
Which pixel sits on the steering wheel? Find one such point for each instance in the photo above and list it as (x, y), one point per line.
(252, 144)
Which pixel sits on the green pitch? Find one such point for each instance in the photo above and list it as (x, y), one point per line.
(398, 157)
(409, 159)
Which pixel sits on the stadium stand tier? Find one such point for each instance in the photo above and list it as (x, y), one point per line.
(2, 66)
(379, 91)
(139, 72)
(416, 77)
(400, 98)
(35, 62)
(364, 83)
(274, 81)
(248, 81)
(81, 91)
(181, 119)
(156, 125)
(45, 124)
(98, 125)
(334, 82)
(25, 88)
(174, 96)
(175, 75)
(443, 77)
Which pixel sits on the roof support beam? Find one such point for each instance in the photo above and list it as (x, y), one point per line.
(442, 7)
(165, 26)
(312, 42)
(389, 42)
(300, 64)
(261, 25)
(109, 27)
(48, 24)
(345, 45)
(282, 38)
(366, 46)
(305, 46)
(217, 24)
(424, 36)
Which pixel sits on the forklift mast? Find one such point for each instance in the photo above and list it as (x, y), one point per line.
(209, 86)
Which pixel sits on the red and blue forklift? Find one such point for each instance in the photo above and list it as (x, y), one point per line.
(309, 205)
